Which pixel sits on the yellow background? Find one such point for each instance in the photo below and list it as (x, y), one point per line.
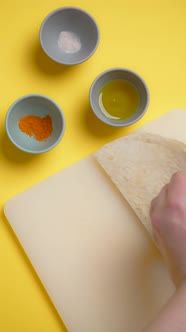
(145, 36)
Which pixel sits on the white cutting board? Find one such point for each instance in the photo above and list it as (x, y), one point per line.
(93, 256)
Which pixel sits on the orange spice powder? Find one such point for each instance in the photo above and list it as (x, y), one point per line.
(36, 127)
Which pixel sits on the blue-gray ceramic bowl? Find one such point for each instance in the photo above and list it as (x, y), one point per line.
(73, 21)
(119, 74)
(37, 105)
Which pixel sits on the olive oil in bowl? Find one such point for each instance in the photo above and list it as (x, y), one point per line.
(119, 100)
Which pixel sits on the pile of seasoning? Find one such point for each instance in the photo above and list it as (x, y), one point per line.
(36, 127)
(69, 42)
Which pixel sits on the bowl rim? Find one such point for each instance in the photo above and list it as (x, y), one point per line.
(39, 96)
(60, 9)
(109, 121)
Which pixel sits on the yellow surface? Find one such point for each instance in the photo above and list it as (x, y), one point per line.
(146, 36)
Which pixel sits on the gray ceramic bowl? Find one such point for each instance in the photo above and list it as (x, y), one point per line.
(40, 106)
(119, 74)
(82, 29)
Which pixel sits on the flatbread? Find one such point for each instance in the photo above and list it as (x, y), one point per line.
(140, 165)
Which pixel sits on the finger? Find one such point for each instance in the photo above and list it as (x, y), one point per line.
(164, 191)
(178, 180)
(177, 188)
(162, 197)
(159, 201)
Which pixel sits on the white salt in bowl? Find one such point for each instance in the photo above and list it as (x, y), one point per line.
(69, 35)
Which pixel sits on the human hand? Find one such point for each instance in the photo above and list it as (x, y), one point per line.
(168, 216)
